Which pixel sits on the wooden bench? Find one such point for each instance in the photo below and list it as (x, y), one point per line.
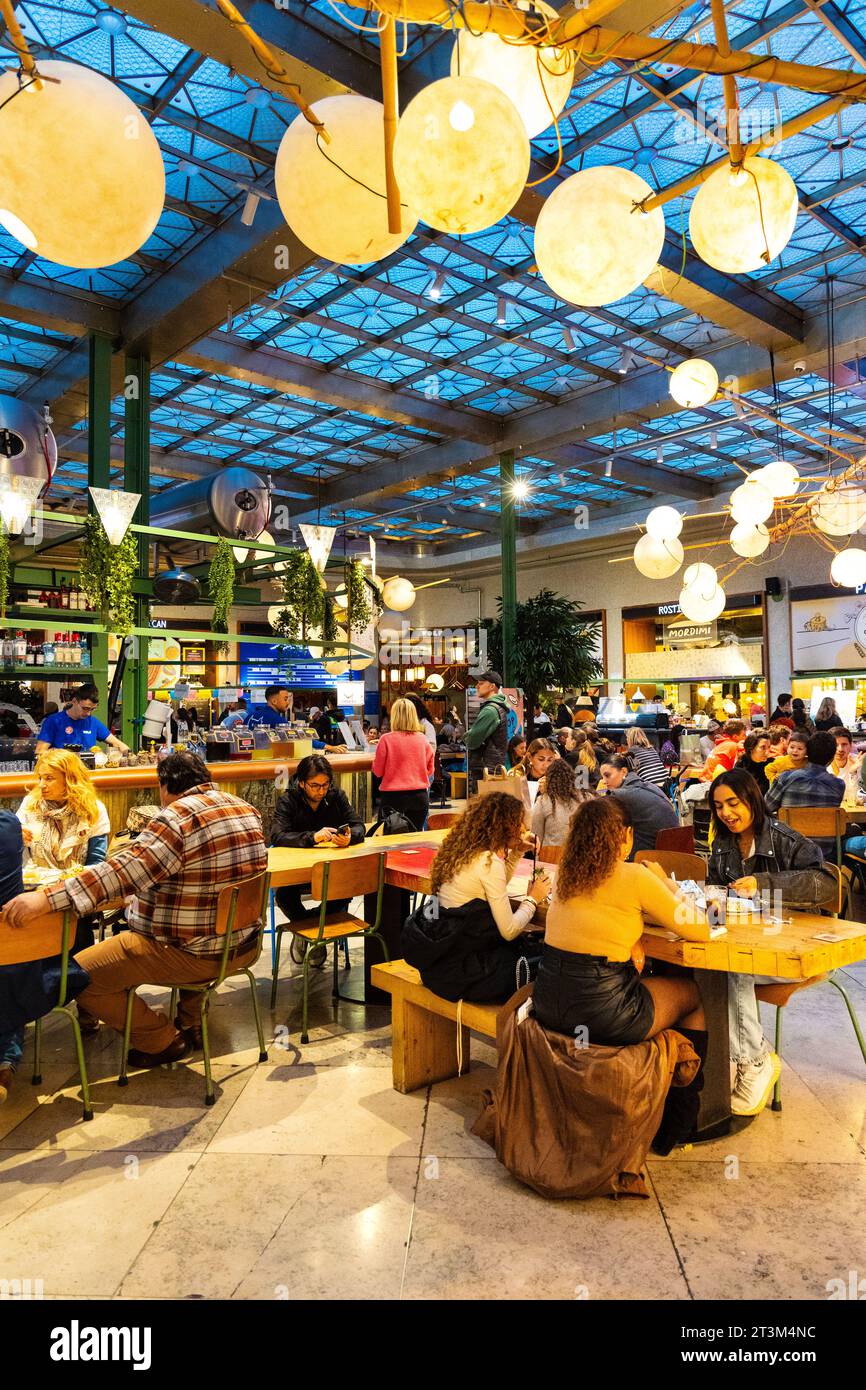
(459, 785)
(424, 1031)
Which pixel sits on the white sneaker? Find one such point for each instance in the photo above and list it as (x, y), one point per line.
(754, 1085)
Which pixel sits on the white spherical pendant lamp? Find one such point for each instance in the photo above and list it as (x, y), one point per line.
(335, 668)
(780, 479)
(591, 244)
(694, 383)
(461, 155)
(701, 578)
(398, 594)
(751, 504)
(332, 196)
(658, 559)
(840, 512)
(741, 220)
(749, 541)
(82, 181)
(702, 608)
(536, 80)
(849, 567)
(664, 523)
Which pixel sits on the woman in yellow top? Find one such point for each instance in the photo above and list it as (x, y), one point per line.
(589, 976)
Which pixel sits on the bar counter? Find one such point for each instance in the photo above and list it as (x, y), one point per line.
(256, 780)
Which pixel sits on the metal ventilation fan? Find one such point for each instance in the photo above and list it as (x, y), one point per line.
(176, 586)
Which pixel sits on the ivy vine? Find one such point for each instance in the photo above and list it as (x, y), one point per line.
(5, 571)
(304, 600)
(107, 574)
(221, 586)
(360, 598)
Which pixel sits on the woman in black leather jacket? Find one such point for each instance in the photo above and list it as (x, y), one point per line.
(754, 854)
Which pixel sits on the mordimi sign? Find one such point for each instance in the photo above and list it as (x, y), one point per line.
(686, 634)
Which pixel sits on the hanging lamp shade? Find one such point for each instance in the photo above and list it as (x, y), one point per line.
(701, 578)
(332, 196)
(849, 567)
(700, 607)
(658, 559)
(536, 80)
(82, 181)
(18, 494)
(664, 523)
(741, 220)
(748, 540)
(398, 594)
(840, 512)
(779, 478)
(591, 244)
(751, 503)
(694, 383)
(461, 155)
(318, 540)
(116, 510)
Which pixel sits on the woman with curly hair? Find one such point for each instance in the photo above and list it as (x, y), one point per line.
(555, 806)
(589, 976)
(466, 939)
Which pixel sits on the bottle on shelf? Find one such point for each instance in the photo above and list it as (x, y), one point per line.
(38, 654)
(30, 659)
(85, 651)
(8, 651)
(48, 658)
(61, 649)
(74, 651)
(20, 650)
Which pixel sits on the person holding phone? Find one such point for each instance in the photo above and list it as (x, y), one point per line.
(313, 812)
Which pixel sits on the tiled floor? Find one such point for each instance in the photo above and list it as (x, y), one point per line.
(311, 1175)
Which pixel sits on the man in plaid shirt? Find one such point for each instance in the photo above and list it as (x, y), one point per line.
(171, 878)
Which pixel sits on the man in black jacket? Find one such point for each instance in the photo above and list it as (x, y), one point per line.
(312, 811)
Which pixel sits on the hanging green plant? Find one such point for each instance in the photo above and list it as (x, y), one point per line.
(221, 586)
(360, 598)
(329, 621)
(5, 570)
(107, 574)
(303, 594)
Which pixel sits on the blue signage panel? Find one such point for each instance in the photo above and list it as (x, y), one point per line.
(291, 666)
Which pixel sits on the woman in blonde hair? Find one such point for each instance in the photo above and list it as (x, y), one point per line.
(63, 824)
(403, 762)
(647, 763)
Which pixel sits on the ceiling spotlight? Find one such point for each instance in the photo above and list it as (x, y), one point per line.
(482, 504)
(568, 339)
(660, 454)
(627, 361)
(250, 207)
(437, 285)
(520, 489)
(608, 468)
(714, 439)
(501, 310)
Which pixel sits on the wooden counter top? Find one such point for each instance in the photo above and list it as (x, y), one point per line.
(14, 784)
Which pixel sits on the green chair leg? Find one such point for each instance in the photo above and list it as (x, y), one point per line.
(123, 1078)
(335, 988)
(263, 1053)
(305, 1037)
(82, 1068)
(777, 1089)
(276, 971)
(37, 1054)
(851, 1013)
(382, 943)
(209, 1097)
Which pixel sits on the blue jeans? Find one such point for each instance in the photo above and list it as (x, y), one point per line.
(745, 1030)
(855, 844)
(11, 1049)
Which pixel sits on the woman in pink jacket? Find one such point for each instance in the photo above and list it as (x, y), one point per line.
(403, 762)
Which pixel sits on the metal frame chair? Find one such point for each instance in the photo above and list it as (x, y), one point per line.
(350, 878)
(51, 935)
(240, 905)
(675, 861)
(817, 823)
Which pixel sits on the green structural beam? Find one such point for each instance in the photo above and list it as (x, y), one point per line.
(136, 478)
(508, 560)
(99, 459)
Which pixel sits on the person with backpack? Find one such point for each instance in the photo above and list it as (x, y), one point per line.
(487, 739)
(403, 762)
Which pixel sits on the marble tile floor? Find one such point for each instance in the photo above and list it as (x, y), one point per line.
(312, 1177)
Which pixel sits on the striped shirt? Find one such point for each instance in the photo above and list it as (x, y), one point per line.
(173, 874)
(648, 765)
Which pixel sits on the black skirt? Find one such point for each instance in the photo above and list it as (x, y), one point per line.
(605, 997)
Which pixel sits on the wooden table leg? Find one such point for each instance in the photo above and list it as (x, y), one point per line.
(395, 910)
(714, 1119)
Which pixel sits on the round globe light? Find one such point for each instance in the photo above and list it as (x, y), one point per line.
(748, 540)
(461, 176)
(751, 503)
(332, 196)
(536, 80)
(849, 567)
(82, 181)
(658, 559)
(701, 578)
(779, 478)
(591, 244)
(700, 608)
(336, 668)
(694, 383)
(435, 682)
(840, 512)
(398, 594)
(741, 221)
(664, 523)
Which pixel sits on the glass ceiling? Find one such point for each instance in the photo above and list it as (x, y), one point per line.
(451, 345)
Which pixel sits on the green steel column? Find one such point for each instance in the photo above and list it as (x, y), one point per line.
(508, 554)
(136, 478)
(99, 466)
